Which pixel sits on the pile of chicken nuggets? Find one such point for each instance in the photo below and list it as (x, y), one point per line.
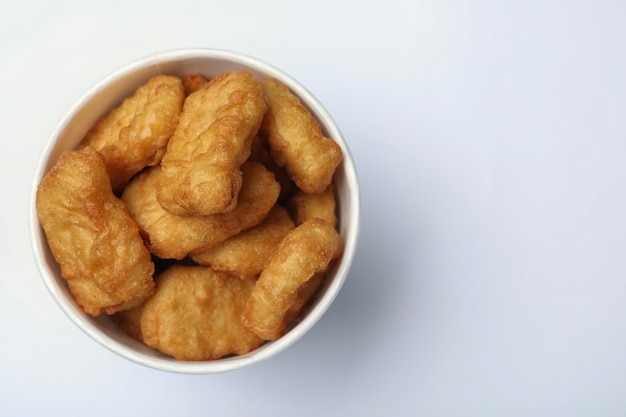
(199, 214)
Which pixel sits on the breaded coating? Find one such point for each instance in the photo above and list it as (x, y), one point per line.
(296, 140)
(135, 134)
(246, 254)
(91, 235)
(194, 314)
(306, 250)
(304, 206)
(304, 295)
(201, 167)
(170, 236)
(194, 82)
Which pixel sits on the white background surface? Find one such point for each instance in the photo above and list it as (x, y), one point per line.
(489, 139)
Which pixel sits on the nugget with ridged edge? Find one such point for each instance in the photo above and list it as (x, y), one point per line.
(194, 314)
(170, 236)
(296, 139)
(134, 135)
(201, 167)
(306, 250)
(92, 236)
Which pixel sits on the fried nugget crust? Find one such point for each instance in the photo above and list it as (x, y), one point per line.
(201, 167)
(134, 135)
(194, 314)
(170, 236)
(91, 235)
(296, 139)
(305, 293)
(246, 254)
(304, 206)
(306, 250)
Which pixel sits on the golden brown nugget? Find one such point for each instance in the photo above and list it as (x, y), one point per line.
(306, 250)
(92, 237)
(246, 254)
(194, 314)
(135, 134)
(304, 206)
(170, 236)
(194, 82)
(296, 140)
(201, 167)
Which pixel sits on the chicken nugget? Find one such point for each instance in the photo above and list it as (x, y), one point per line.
(305, 251)
(91, 235)
(135, 134)
(304, 206)
(173, 237)
(245, 254)
(194, 82)
(194, 314)
(201, 167)
(296, 139)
